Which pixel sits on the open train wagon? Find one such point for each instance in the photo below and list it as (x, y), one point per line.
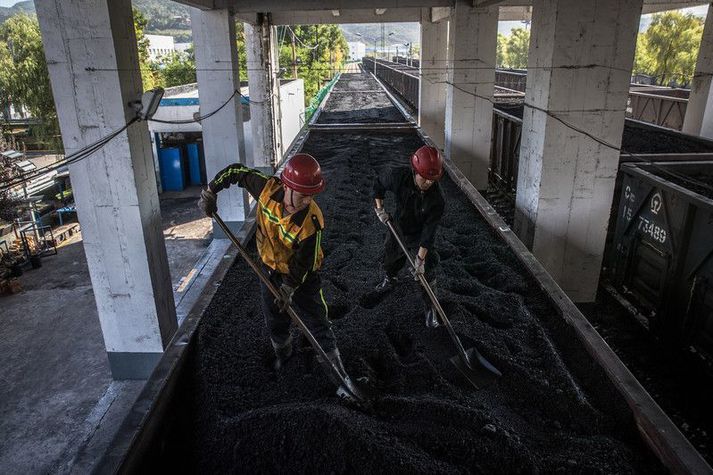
(663, 247)
(564, 402)
(649, 145)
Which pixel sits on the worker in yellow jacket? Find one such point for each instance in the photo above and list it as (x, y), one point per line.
(289, 234)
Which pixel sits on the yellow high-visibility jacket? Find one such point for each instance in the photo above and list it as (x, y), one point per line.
(289, 244)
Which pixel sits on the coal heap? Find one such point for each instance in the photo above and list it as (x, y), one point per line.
(358, 98)
(552, 411)
(641, 137)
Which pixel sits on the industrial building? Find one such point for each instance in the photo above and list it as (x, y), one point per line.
(556, 139)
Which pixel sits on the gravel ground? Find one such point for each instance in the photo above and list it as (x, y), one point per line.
(552, 410)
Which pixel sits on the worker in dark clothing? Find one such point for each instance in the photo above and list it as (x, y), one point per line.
(419, 208)
(289, 234)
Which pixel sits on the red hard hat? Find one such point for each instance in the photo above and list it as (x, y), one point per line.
(428, 163)
(303, 174)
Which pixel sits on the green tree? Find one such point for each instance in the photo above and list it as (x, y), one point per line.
(668, 49)
(150, 76)
(178, 69)
(501, 50)
(24, 80)
(321, 51)
(516, 49)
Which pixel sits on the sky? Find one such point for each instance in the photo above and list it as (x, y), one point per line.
(7, 3)
(504, 27)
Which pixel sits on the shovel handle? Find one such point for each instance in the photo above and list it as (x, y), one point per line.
(432, 296)
(326, 362)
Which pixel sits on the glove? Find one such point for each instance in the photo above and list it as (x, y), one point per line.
(382, 215)
(419, 267)
(285, 299)
(208, 202)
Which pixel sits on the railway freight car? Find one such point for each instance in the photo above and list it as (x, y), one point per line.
(642, 143)
(662, 247)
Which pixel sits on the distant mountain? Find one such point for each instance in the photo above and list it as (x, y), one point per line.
(172, 18)
(402, 33)
(20, 7)
(161, 14)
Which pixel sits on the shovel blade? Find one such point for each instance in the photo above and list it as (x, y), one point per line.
(477, 370)
(356, 392)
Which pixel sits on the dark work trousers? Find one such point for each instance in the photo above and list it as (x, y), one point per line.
(394, 259)
(308, 301)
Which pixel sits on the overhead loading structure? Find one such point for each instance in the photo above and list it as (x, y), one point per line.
(564, 400)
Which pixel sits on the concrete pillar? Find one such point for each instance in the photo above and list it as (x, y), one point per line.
(579, 67)
(434, 60)
(264, 92)
(699, 111)
(218, 78)
(276, 103)
(471, 77)
(93, 65)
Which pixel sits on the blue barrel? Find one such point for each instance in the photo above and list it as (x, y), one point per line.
(171, 165)
(194, 164)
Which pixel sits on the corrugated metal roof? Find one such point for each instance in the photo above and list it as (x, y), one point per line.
(25, 165)
(13, 154)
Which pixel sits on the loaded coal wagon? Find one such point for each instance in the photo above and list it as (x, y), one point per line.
(663, 247)
(564, 402)
(642, 143)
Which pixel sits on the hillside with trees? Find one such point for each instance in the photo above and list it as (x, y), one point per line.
(20, 7)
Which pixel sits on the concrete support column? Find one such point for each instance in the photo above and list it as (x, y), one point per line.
(699, 112)
(93, 65)
(434, 61)
(579, 67)
(264, 92)
(471, 77)
(218, 78)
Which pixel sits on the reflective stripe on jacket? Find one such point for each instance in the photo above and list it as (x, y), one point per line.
(281, 240)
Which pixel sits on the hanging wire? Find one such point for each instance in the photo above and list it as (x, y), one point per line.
(99, 144)
(67, 160)
(303, 43)
(600, 141)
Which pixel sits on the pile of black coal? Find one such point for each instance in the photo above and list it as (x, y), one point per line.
(552, 411)
(358, 98)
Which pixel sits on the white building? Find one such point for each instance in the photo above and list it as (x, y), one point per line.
(159, 46)
(182, 47)
(357, 50)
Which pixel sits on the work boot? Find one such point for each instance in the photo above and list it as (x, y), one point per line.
(283, 353)
(387, 284)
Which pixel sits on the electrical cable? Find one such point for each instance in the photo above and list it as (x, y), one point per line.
(298, 39)
(67, 160)
(92, 148)
(603, 142)
(199, 118)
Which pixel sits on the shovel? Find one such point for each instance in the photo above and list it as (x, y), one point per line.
(347, 388)
(477, 370)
